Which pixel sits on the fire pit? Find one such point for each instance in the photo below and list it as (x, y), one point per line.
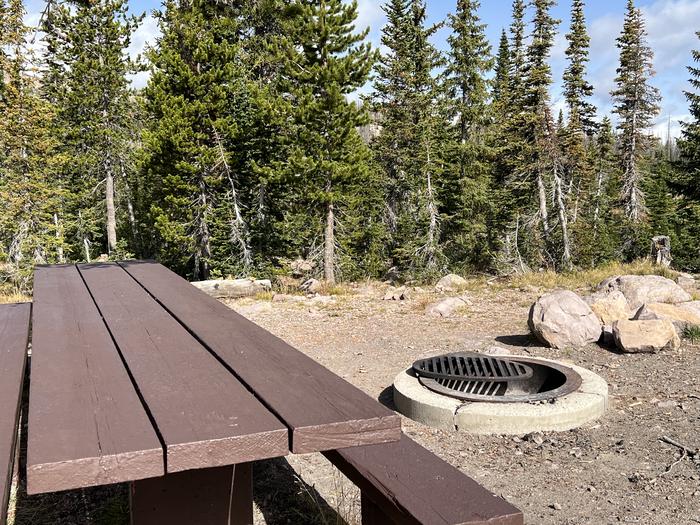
(499, 394)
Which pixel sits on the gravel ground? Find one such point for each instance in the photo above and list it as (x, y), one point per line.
(615, 470)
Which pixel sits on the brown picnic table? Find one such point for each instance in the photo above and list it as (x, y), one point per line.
(137, 376)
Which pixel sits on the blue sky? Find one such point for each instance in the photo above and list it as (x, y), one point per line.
(671, 25)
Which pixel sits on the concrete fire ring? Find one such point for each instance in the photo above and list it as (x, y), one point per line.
(419, 403)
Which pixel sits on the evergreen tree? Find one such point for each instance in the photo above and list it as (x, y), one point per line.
(408, 99)
(502, 72)
(463, 190)
(576, 88)
(636, 104)
(28, 157)
(327, 166)
(88, 68)
(196, 100)
(517, 86)
(690, 143)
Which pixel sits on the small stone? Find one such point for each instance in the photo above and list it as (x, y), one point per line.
(450, 283)
(535, 437)
(670, 403)
(555, 506)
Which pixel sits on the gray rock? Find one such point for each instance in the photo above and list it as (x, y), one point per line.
(397, 294)
(233, 288)
(562, 319)
(646, 336)
(610, 307)
(446, 307)
(680, 317)
(642, 289)
(311, 286)
(450, 283)
(692, 306)
(686, 281)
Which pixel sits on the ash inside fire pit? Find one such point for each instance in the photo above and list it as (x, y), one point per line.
(477, 377)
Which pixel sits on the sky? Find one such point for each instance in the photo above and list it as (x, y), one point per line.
(671, 25)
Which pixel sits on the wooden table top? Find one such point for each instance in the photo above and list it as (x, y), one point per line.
(135, 373)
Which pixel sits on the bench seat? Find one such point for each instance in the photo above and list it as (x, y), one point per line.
(14, 335)
(404, 483)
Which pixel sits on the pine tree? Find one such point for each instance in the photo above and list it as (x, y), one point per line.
(502, 73)
(408, 99)
(576, 88)
(196, 100)
(636, 104)
(328, 162)
(88, 68)
(690, 143)
(28, 157)
(517, 86)
(463, 191)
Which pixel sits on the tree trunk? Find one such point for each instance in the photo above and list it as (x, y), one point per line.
(329, 246)
(542, 195)
(111, 215)
(59, 239)
(563, 221)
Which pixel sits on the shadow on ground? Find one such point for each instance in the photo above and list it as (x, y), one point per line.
(517, 340)
(283, 497)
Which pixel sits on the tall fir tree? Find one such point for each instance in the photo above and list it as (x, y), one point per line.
(408, 98)
(29, 196)
(501, 79)
(463, 189)
(636, 104)
(87, 78)
(577, 89)
(327, 169)
(196, 101)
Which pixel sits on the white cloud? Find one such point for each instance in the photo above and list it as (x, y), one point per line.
(671, 26)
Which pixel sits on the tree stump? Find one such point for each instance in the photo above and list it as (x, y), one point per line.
(661, 250)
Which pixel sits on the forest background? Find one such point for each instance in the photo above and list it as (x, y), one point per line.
(247, 149)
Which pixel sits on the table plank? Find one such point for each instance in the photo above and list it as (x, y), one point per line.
(205, 416)
(87, 425)
(14, 336)
(322, 410)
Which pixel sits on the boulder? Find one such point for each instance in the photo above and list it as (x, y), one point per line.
(311, 286)
(233, 288)
(562, 319)
(610, 307)
(687, 281)
(450, 283)
(397, 294)
(692, 306)
(301, 267)
(645, 336)
(642, 289)
(680, 317)
(446, 307)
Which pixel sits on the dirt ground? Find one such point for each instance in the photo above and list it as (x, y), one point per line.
(615, 470)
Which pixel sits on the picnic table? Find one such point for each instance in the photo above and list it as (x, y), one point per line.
(137, 376)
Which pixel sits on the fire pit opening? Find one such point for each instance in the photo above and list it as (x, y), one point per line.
(476, 377)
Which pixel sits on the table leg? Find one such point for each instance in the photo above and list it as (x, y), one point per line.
(213, 496)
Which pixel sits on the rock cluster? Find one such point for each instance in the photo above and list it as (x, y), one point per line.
(635, 313)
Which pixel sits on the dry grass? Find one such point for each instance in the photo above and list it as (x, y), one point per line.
(586, 278)
(13, 297)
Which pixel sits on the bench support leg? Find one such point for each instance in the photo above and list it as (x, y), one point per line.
(372, 514)
(213, 496)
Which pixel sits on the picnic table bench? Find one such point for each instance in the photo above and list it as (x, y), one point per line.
(137, 376)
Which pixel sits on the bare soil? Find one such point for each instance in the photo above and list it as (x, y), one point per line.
(615, 470)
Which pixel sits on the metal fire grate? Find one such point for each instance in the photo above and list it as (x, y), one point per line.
(477, 377)
(472, 367)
